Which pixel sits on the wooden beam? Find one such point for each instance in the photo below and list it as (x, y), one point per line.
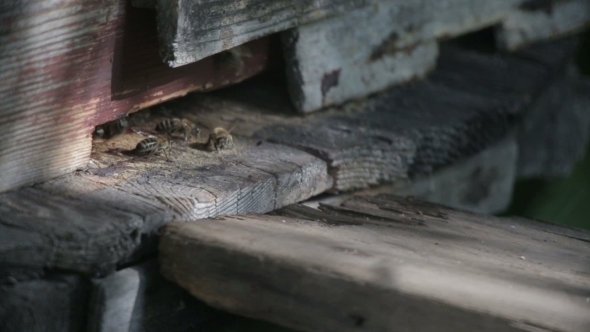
(384, 43)
(470, 102)
(68, 66)
(389, 42)
(192, 30)
(385, 263)
(109, 214)
(537, 20)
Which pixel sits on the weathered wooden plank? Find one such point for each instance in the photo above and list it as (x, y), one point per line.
(67, 66)
(192, 30)
(384, 43)
(536, 20)
(93, 220)
(468, 103)
(482, 183)
(140, 299)
(385, 264)
(56, 303)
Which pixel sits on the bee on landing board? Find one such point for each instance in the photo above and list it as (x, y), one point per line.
(153, 145)
(112, 129)
(176, 125)
(219, 140)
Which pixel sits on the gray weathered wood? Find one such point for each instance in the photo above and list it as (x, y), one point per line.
(385, 264)
(91, 220)
(468, 103)
(140, 299)
(56, 303)
(539, 20)
(482, 183)
(192, 30)
(386, 42)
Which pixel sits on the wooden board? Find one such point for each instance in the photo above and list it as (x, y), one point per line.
(468, 103)
(56, 303)
(385, 43)
(540, 20)
(385, 264)
(109, 214)
(140, 299)
(192, 30)
(67, 66)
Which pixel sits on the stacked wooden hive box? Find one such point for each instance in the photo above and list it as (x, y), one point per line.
(373, 97)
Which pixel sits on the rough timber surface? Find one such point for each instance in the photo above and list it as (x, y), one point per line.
(192, 30)
(92, 220)
(67, 66)
(537, 20)
(139, 299)
(384, 43)
(56, 303)
(385, 263)
(470, 102)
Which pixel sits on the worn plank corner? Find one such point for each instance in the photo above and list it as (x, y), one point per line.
(385, 263)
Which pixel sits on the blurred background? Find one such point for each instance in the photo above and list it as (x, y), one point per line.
(567, 200)
(564, 201)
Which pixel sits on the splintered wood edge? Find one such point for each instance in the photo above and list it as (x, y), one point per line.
(117, 205)
(324, 276)
(186, 35)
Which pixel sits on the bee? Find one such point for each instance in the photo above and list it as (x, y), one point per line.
(219, 140)
(176, 125)
(112, 129)
(153, 145)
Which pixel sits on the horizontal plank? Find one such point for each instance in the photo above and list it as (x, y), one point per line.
(470, 102)
(385, 263)
(56, 303)
(390, 42)
(192, 30)
(384, 43)
(538, 20)
(109, 214)
(67, 66)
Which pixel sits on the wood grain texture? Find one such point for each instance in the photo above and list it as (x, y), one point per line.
(67, 66)
(140, 299)
(384, 43)
(56, 303)
(385, 264)
(192, 30)
(92, 220)
(470, 102)
(540, 20)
